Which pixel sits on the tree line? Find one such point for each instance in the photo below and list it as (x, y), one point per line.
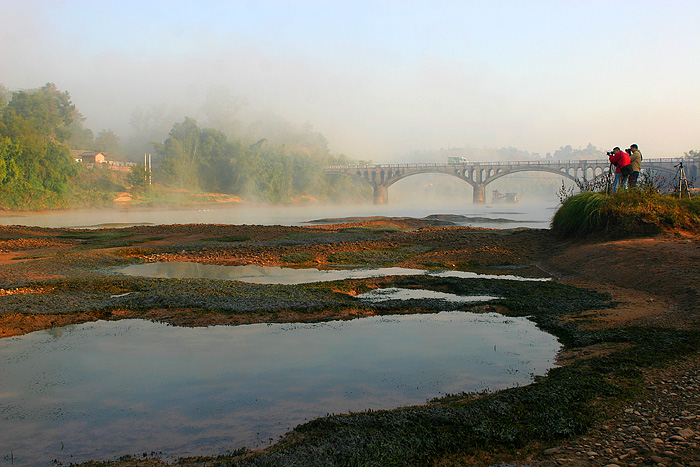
(39, 127)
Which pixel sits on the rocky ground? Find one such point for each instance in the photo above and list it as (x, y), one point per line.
(655, 280)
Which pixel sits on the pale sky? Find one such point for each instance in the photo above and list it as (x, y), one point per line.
(380, 78)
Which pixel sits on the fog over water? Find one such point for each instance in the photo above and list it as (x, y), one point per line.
(499, 216)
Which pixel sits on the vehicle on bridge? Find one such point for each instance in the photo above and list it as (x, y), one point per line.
(457, 160)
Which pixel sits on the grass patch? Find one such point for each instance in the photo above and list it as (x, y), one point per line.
(99, 238)
(297, 258)
(374, 228)
(626, 214)
(228, 239)
(385, 257)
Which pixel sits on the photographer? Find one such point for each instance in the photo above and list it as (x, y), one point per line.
(624, 167)
(636, 161)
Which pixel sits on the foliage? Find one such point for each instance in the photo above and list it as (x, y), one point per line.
(137, 178)
(80, 137)
(204, 159)
(94, 186)
(5, 96)
(297, 258)
(38, 117)
(108, 142)
(579, 214)
(569, 153)
(35, 164)
(37, 128)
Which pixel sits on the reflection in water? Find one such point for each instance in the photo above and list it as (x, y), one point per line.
(473, 275)
(277, 275)
(395, 293)
(256, 274)
(105, 389)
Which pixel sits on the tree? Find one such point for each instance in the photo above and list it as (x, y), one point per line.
(214, 163)
(81, 137)
(5, 96)
(40, 116)
(138, 177)
(108, 142)
(180, 153)
(9, 153)
(221, 110)
(35, 125)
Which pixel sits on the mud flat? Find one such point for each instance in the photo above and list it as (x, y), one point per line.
(627, 392)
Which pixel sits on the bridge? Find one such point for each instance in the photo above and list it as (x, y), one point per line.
(480, 174)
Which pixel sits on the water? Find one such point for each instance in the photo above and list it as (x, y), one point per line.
(102, 390)
(496, 216)
(105, 389)
(397, 293)
(276, 275)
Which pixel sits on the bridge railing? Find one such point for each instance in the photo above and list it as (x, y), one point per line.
(495, 163)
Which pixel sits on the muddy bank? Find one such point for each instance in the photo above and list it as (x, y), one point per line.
(53, 277)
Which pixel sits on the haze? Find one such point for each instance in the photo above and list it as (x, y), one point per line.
(378, 79)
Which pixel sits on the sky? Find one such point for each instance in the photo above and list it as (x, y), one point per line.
(380, 78)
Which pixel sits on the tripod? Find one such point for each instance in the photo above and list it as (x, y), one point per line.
(682, 181)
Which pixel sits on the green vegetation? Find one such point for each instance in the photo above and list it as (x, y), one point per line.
(297, 258)
(376, 257)
(228, 239)
(627, 213)
(93, 239)
(39, 128)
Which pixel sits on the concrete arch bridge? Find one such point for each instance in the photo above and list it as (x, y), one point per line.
(480, 174)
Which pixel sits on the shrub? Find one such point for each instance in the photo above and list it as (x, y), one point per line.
(580, 214)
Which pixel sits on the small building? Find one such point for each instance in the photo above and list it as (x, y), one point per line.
(88, 157)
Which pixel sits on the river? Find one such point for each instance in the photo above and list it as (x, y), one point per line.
(500, 216)
(101, 390)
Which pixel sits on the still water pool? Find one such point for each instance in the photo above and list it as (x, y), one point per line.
(277, 275)
(104, 389)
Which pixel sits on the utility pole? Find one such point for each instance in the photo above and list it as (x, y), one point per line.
(147, 168)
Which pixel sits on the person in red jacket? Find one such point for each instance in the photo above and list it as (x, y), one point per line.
(624, 167)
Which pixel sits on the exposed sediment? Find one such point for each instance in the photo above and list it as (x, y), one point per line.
(53, 277)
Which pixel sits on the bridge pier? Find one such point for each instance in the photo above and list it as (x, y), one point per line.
(381, 194)
(479, 194)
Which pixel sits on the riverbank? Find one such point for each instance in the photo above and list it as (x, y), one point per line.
(652, 283)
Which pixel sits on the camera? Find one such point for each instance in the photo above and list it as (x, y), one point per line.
(610, 153)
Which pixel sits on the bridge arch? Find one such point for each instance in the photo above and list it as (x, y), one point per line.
(563, 172)
(480, 174)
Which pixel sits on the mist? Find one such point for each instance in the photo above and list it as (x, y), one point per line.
(380, 79)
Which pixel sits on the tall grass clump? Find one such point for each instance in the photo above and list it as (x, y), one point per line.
(580, 214)
(628, 213)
